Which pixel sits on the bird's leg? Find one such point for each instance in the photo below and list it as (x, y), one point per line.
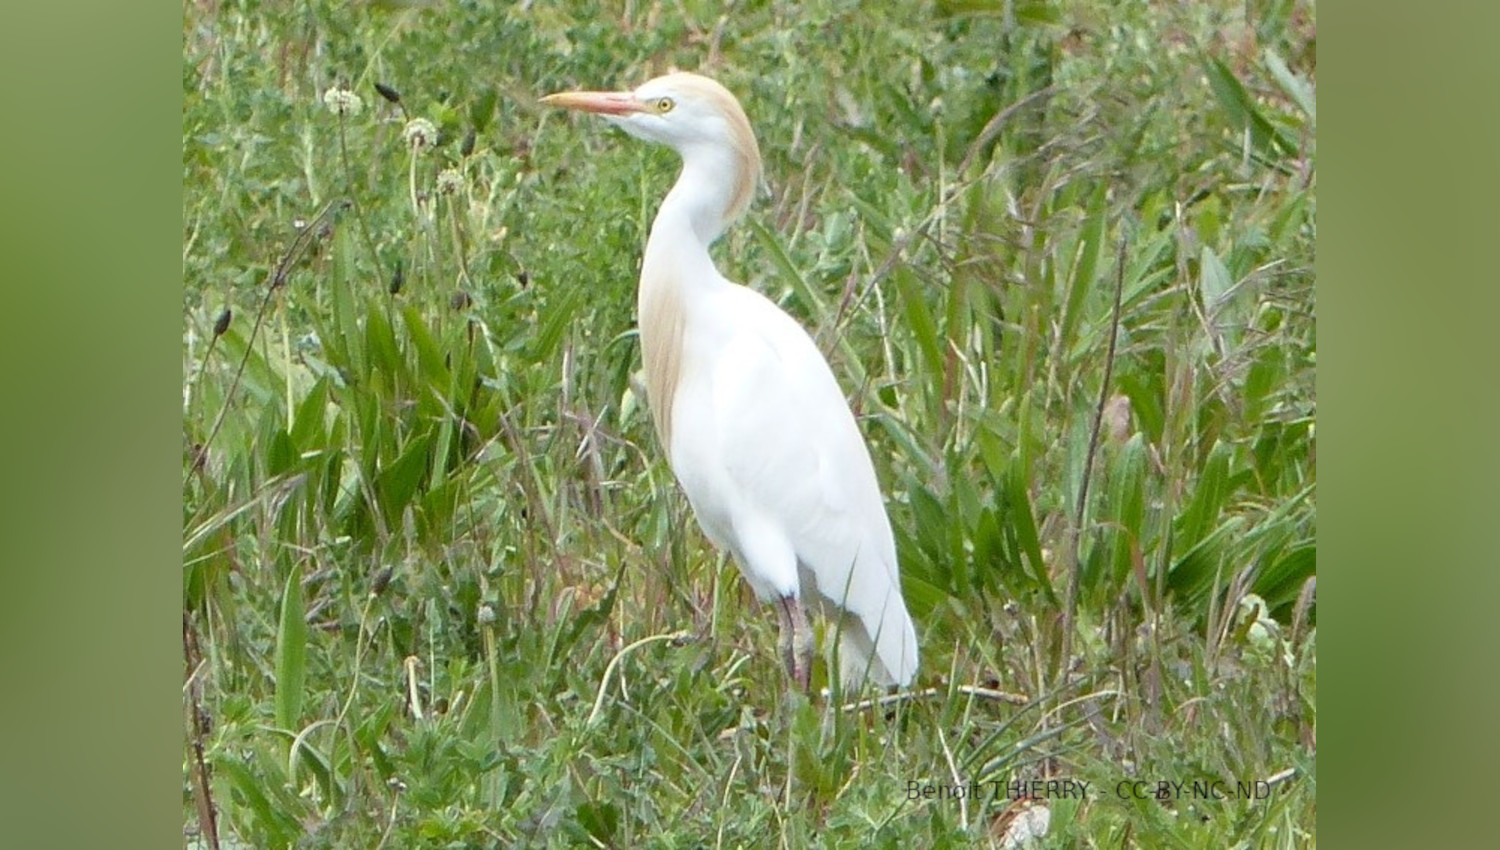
(796, 642)
(784, 641)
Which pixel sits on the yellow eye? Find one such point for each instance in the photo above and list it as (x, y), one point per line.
(664, 105)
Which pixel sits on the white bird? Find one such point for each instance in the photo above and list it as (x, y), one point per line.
(754, 424)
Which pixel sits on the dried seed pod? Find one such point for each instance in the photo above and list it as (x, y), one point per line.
(398, 277)
(523, 278)
(468, 146)
(388, 93)
(382, 581)
(222, 323)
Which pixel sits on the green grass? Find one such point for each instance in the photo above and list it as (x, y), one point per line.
(439, 587)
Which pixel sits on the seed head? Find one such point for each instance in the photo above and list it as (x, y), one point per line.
(420, 133)
(342, 101)
(398, 277)
(222, 323)
(449, 181)
(468, 146)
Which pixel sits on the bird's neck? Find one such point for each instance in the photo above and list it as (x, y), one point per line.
(692, 215)
(702, 200)
(677, 267)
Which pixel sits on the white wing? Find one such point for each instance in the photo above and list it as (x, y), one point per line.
(771, 458)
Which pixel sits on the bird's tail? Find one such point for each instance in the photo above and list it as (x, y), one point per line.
(888, 657)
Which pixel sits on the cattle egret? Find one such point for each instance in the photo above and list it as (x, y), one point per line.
(754, 424)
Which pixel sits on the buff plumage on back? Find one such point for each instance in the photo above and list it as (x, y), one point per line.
(660, 306)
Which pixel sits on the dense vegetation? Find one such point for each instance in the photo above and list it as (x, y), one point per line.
(439, 586)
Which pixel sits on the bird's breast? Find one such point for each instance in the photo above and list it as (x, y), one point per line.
(698, 461)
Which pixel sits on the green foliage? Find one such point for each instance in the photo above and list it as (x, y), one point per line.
(291, 654)
(425, 511)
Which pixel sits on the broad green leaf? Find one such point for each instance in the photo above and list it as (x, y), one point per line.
(1022, 523)
(431, 361)
(384, 353)
(1295, 85)
(281, 455)
(1280, 583)
(398, 482)
(1213, 279)
(280, 824)
(307, 426)
(1127, 498)
(1213, 558)
(1243, 112)
(1210, 496)
(291, 653)
(1085, 266)
(559, 318)
(929, 520)
(918, 319)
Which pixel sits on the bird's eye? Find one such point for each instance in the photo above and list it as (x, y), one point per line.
(664, 105)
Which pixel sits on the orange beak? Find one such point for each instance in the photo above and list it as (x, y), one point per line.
(598, 102)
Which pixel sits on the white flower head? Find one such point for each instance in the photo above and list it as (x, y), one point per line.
(420, 133)
(449, 181)
(342, 101)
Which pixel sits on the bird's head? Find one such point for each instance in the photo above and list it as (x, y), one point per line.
(688, 112)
